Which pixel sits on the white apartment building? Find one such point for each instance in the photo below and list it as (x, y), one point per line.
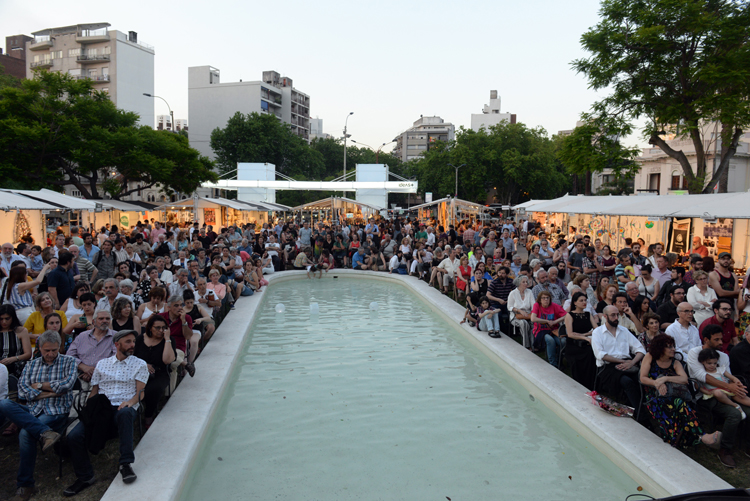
(163, 122)
(414, 141)
(180, 124)
(316, 129)
(491, 114)
(212, 103)
(661, 174)
(117, 62)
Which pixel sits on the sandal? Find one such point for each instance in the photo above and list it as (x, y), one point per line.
(10, 430)
(713, 440)
(190, 368)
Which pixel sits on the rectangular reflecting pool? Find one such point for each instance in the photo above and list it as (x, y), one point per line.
(393, 403)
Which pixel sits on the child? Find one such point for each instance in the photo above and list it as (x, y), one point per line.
(489, 318)
(326, 261)
(710, 359)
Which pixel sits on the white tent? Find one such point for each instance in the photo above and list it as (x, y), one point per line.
(21, 215)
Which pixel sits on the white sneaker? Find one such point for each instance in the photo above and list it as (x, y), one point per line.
(741, 412)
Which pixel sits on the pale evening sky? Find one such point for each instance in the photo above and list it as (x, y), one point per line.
(389, 62)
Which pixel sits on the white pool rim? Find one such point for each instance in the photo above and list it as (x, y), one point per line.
(166, 453)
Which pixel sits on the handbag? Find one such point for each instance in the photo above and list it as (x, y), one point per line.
(522, 316)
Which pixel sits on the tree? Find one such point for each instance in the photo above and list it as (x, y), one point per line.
(260, 138)
(58, 131)
(7, 80)
(595, 146)
(682, 64)
(510, 159)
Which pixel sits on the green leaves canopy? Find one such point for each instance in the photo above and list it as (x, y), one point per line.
(679, 63)
(56, 131)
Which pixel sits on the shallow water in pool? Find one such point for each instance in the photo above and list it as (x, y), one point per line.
(395, 403)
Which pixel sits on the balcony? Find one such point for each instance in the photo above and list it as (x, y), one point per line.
(95, 79)
(87, 59)
(41, 43)
(45, 63)
(92, 36)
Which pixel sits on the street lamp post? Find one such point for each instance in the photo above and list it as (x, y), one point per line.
(345, 136)
(377, 153)
(455, 195)
(171, 113)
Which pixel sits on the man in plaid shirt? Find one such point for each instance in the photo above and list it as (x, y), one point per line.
(45, 384)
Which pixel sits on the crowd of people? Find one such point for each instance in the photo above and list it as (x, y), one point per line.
(123, 314)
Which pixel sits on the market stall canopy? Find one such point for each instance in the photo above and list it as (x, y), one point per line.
(458, 201)
(328, 203)
(12, 201)
(528, 204)
(119, 205)
(59, 200)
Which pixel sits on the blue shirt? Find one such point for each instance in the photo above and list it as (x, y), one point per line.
(358, 259)
(61, 375)
(37, 263)
(90, 256)
(62, 280)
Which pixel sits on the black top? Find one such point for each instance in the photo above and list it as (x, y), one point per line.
(600, 307)
(581, 322)
(151, 354)
(127, 326)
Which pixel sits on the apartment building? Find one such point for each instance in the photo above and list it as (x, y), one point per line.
(117, 62)
(413, 142)
(212, 103)
(491, 114)
(316, 129)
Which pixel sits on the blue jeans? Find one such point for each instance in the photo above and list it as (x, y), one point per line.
(490, 323)
(124, 419)
(31, 430)
(247, 291)
(554, 343)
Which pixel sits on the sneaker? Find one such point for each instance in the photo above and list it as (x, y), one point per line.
(78, 486)
(24, 493)
(742, 412)
(725, 456)
(48, 439)
(128, 475)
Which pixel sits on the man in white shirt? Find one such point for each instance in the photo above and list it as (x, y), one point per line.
(182, 260)
(273, 249)
(450, 265)
(430, 236)
(684, 333)
(121, 379)
(618, 353)
(111, 294)
(8, 258)
(712, 337)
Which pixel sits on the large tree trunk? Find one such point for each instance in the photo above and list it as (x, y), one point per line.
(678, 155)
(728, 149)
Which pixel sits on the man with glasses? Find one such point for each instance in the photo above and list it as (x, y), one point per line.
(668, 310)
(723, 310)
(684, 333)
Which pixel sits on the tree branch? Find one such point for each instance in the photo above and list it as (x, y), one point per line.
(677, 155)
(724, 165)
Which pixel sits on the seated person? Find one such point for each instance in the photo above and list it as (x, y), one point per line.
(156, 349)
(121, 379)
(45, 387)
(546, 317)
(489, 318)
(618, 353)
(92, 346)
(181, 331)
(203, 321)
(709, 358)
(361, 261)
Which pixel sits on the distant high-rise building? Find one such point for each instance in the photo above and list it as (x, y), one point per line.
(491, 114)
(14, 59)
(212, 103)
(180, 124)
(414, 141)
(316, 129)
(117, 62)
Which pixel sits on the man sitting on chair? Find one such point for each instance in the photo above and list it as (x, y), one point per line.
(121, 379)
(45, 385)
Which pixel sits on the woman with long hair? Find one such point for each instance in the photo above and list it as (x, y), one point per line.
(641, 306)
(122, 316)
(83, 321)
(601, 287)
(72, 305)
(354, 244)
(609, 262)
(579, 326)
(463, 276)
(651, 328)
(667, 396)
(156, 348)
(35, 323)
(609, 297)
(647, 285)
(15, 346)
(149, 281)
(16, 290)
(155, 304)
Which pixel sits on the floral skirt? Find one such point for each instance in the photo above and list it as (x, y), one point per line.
(677, 421)
(744, 322)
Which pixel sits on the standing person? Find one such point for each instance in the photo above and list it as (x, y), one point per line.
(592, 264)
(105, 261)
(8, 257)
(698, 247)
(118, 381)
(87, 270)
(618, 354)
(45, 386)
(60, 281)
(661, 271)
(579, 326)
(16, 291)
(696, 264)
(743, 306)
(624, 271)
(722, 279)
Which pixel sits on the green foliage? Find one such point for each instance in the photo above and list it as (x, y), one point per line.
(510, 159)
(673, 62)
(258, 138)
(620, 186)
(7, 80)
(595, 146)
(57, 131)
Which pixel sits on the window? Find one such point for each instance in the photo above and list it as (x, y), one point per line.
(105, 89)
(74, 52)
(105, 71)
(55, 54)
(106, 50)
(675, 182)
(75, 72)
(654, 182)
(92, 73)
(75, 193)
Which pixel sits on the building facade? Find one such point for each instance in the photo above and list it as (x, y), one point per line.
(416, 140)
(316, 129)
(212, 103)
(14, 58)
(661, 174)
(491, 114)
(116, 62)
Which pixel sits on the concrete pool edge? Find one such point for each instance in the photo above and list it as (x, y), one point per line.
(165, 455)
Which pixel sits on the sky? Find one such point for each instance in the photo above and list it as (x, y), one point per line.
(388, 62)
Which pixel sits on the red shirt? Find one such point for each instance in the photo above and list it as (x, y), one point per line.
(175, 330)
(727, 326)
